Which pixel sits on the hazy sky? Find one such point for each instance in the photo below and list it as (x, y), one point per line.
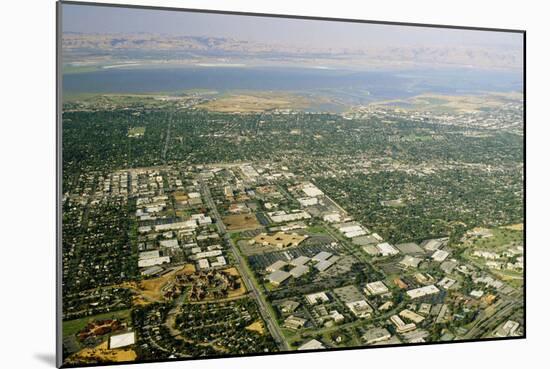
(98, 19)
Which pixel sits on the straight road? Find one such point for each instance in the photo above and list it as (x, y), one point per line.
(265, 311)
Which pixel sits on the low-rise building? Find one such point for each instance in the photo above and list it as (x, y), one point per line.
(423, 291)
(220, 261)
(279, 239)
(360, 308)
(440, 255)
(325, 264)
(507, 329)
(424, 309)
(152, 271)
(294, 322)
(376, 288)
(336, 316)
(311, 345)
(308, 201)
(323, 255)
(476, 293)
(446, 283)
(144, 263)
(203, 264)
(207, 254)
(277, 277)
(276, 266)
(122, 340)
(375, 335)
(410, 261)
(332, 217)
(400, 325)
(315, 298)
(386, 249)
(173, 243)
(411, 315)
(299, 271)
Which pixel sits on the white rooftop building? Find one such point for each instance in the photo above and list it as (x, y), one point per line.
(423, 291)
(400, 325)
(316, 298)
(276, 266)
(440, 255)
(311, 190)
(360, 308)
(446, 283)
(332, 217)
(203, 264)
(122, 340)
(311, 345)
(308, 201)
(376, 288)
(173, 243)
(144, 263)
(386, 249)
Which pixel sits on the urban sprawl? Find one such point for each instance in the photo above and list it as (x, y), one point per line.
(189, 232)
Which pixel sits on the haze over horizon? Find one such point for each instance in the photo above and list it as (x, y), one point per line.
(273, 30)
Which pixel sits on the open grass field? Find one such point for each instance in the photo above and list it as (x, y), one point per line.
(451, 103)
(71, 327)
(501, 237)
(136, 131)
(257, 103)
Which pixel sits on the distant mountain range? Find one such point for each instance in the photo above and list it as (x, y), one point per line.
(79, 47)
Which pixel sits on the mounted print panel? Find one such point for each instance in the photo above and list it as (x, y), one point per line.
(238, 184)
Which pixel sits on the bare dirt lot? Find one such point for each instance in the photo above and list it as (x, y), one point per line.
(151, 290)
(241, 222)
(257, 326)
(259, 102)
(102, 353)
